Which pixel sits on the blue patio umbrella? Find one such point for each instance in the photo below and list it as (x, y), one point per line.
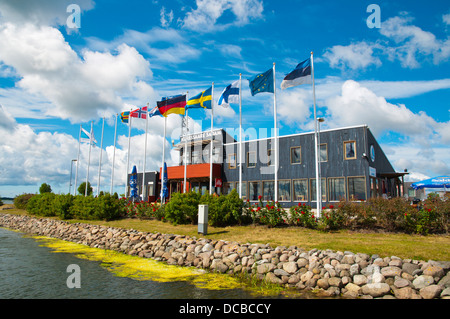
(134, 196)
(165, 189)
(435, 182)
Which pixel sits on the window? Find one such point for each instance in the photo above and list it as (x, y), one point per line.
(244, 190)
(296, 157)
(356, 188)
(349, 150)
(227, 188)
(269, 190)
(284, 191)
(300, 187)
(336, 188)
(196, 157)
(270, 160)
(251, 159)
(232, 161)
(323, 153)
(254, 190)
(323, 189)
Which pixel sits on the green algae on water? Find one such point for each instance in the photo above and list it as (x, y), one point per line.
(139, 268)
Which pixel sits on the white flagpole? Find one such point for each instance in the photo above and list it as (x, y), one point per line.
(145, 155)
(100, 160)
(186, 123)
(78, 160)
(212, 141)
(128, 160)
(163, 160)
(89, 159)
(316, 146)
(240, 135)
(114, 155)
(275, 133)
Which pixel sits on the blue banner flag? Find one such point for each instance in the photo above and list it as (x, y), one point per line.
(262, 82)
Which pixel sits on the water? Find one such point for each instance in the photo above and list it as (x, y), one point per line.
(29, 270)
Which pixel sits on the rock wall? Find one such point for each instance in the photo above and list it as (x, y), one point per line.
(331, 273)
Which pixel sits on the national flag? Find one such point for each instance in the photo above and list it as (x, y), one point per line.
(201, 100)
(87, 137)
(140, 113)
(153, 112)
(262, 82)
(229, 95)
(124, 116)
(300, 75)
(172, 105)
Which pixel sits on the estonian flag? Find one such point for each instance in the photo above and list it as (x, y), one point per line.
(229, 95)
(201, 100)
(300, 75)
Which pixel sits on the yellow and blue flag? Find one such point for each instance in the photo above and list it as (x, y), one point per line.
(124, 116)
(201, 100)
(262, 82)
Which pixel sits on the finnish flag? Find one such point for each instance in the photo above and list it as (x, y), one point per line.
(300, 75)
(229, 95)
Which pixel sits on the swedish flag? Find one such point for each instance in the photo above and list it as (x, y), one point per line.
(262, 82)
(201, 100)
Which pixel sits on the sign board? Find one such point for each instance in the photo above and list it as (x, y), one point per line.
(218, 182)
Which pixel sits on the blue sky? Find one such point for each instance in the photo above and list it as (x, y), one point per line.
(126, 54)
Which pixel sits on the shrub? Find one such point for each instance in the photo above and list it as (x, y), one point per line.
(45, 188)
(302, 215)
(21, 201)
(225, 210)
(42, 205)
(107, 208)
(183, 208)
(62, 205)
(83, 207)
(82, 189)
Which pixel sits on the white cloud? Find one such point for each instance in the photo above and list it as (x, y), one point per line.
(413, 43)
(166, 19)
(78, 88)
(7, 122)
(359, 105)
(205, 17)
(293, 106)
(354, 56)
(46, 12)
(446, 18)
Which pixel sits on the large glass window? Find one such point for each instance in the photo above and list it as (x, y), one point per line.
(323, 153)
(232, 161)
(323, 189)
(227, 188)
(356, 188)
(269, 190)
(300, 187)
(336, 188)
(349, 150)
(251, 159)
(284, 191)
(244, 190)
(296, 156)
(254, 190)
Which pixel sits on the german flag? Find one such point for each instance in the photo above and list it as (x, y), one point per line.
(172, 105)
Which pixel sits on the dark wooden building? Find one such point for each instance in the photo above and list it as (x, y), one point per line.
(352, 166)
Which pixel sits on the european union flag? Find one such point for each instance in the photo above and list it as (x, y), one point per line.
(262, 82)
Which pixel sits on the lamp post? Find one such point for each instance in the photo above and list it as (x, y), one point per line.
(319, 182)
(70, 180)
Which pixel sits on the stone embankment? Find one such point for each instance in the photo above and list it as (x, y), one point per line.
(330, 273)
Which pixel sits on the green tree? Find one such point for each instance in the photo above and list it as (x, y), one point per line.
(82, 189)
(45, 188)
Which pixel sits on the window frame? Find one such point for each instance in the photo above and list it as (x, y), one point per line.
(230, 163)
(300, 155)
(294, 197)
(345, 143)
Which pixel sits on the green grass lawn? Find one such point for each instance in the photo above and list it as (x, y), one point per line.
(435, 247)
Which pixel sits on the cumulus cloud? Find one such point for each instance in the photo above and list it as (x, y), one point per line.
(354, 56)
(78, 88)
(403, 42)
(205, 17)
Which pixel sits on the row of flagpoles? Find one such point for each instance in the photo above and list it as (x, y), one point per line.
(263, 82)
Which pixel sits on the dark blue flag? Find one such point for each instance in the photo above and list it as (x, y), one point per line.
(262, 82)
